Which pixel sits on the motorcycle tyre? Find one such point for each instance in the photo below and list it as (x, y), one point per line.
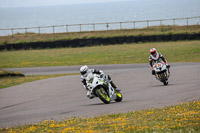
(102, 96)
(119, 96)
(163, 79)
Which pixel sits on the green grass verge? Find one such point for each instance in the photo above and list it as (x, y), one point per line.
(9, 81)
(183, 118)
(154, 30)
(180, 51)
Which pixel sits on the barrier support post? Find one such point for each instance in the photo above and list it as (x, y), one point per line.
(39, 30)
(66, 28)
(107, 26)
(174, 21)
(53, 29)
(80, 27)
(94, 27)
(12, 32)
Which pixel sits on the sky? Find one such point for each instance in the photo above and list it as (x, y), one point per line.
(29, 3)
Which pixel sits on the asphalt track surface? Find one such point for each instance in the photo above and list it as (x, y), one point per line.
(64, 97)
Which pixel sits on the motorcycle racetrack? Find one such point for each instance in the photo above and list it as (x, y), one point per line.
(63, 97)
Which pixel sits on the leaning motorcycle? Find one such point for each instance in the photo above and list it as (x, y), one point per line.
(100, 87)
(161, 72)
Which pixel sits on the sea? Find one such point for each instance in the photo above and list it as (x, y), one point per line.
(97, 15)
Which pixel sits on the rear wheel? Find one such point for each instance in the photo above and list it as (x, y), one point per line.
(164, 79)
(118, 96)
(103, 95)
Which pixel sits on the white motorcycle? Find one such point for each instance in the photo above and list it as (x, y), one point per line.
(100, 87)
(161, 72)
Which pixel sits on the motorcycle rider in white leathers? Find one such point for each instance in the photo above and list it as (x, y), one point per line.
(154, 57)
(84, 70)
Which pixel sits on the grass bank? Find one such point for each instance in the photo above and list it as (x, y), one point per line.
(180, 51)
(184, 117)
(8, 81)
(154, 30)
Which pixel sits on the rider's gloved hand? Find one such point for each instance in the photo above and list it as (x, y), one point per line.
(105, 76)
(101, 75)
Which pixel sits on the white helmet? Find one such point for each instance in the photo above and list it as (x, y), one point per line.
(153, 52)
(84, 69)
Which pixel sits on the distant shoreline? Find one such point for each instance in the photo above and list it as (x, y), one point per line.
(134, 10)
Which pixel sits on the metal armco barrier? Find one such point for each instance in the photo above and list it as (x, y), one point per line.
(103, 26)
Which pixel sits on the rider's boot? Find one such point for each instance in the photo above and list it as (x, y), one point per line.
(154, 73)
(168, 71)
(114, 86)
(168, 66)
(90, 95)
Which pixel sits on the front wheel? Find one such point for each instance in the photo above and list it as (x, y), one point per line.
(103, 95)
(163, 79)
(118, 96)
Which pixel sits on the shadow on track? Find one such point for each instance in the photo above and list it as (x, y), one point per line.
(111, 103)
(164, 85)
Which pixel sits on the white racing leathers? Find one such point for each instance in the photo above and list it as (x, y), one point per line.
(99, 86)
